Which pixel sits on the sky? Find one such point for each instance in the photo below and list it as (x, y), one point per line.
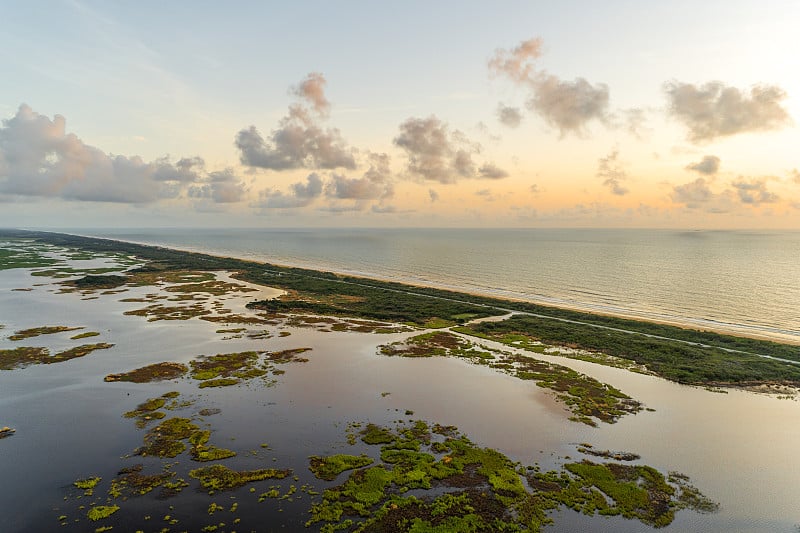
(423, 114)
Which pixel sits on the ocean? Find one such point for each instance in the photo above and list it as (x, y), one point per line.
(741, 282)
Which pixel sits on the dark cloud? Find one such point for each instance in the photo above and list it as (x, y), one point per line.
(753, 191)
(433, 195)
(39, 158)
(299, 141)
(300, 195)
(693, 194)
(436, 154)
(517, 63)
(716, 110)
(312, 89)
(222, 187)
(611, 170)
(509, 116)
(709, 165)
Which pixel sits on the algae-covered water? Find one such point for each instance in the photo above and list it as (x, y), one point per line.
(738, 448)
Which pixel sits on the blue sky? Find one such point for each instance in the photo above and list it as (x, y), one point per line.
(148, 80)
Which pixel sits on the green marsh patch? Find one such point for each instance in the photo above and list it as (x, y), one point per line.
(219, 477)
(151, 373)
(588, 399)
(435, 479)
(27, 355)
(43, 330)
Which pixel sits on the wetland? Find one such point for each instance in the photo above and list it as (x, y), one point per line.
(227, 395)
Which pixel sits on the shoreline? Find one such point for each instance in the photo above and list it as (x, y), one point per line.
(733, 330)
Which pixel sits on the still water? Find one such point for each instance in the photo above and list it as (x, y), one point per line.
(732, 281)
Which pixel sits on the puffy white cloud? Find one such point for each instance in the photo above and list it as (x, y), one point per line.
(39, 158)
(716, 110)
(611, 170)
(436, 154)
(566, 105)
(375, 183)
(709, 165)
(298, 141)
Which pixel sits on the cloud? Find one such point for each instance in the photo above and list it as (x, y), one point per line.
(716, 110)
(486, 194)
(186, 170)
(433, 195)
(611, 169)
(299, 141)
(693, 194)
(509, 116)
(566, 105)
(633, 120)
(795, 175)
(492, 172)
(222, 187)
(708, 166)
(375, 183)
(754, 191)
(569, 105)
(518, 63)
(436, 154)
(312, 89)
(39, 158)
(300, 195)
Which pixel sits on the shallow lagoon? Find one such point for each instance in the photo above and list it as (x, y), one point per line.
(739, 448)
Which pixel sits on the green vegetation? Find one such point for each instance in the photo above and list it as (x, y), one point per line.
(219, 477)
(87, 484)
(103, 281)
(150, 373)
(166, 439)
(672, 360)
(27, 355)
(85, 335)
(323, 293)
(328, 468)
(35, 332)
(587, 398)
(223, 370)
(101, 511)
(476, 489)
(23, 254)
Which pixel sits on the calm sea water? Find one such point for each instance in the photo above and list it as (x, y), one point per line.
(735, 281)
